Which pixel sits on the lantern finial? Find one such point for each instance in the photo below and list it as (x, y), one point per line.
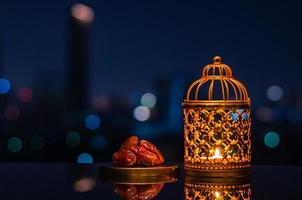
(217, 60)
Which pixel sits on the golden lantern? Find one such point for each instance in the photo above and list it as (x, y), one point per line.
(217, 189)
(217, 124)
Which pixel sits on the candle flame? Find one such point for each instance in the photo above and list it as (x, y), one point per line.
(217, 154)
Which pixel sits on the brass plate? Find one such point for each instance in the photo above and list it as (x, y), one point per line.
(139, 175)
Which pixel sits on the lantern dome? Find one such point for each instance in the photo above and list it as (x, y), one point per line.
(217, 84)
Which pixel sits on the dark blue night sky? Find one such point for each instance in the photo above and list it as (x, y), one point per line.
(135, 42)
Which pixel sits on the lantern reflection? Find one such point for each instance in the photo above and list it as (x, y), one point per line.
(217, 189)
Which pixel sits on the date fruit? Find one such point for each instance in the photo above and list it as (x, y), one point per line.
(135, 152)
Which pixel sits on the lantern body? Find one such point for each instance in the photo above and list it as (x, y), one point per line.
(217, 123)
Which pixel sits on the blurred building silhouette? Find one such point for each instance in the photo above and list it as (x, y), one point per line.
(79, 51)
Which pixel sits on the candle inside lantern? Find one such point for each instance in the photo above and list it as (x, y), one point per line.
(217, 155)
(217, 195)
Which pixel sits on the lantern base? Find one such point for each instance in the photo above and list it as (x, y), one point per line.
(241, 172)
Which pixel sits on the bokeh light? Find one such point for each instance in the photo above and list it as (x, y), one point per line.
(14, 144)
(84, 185)
(4, 86)
(25, 94)
(148, 100)
(85, 158)
(12, 112)
(100, 103)
(264, 114)
(37, 142)
(82, 12)
(98, 142)
(274, 93)
(271, 139)
(73, 138)
(92, 122)
(141, 113)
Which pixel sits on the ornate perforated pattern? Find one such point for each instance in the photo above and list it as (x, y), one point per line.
(217, 192)
(225, 129)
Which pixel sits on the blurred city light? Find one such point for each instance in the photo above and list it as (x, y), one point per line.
(98, 142)
(92, 122)
(25, 94)
(37, 142)
(148, 100)
(141, 113)
(14, 144)
(82, 12)
(271, 139)
(84, 185)
(73, 138)
(85, 158)
(4, 86)
(264, 114)
(12, 113)
(100, 103)
(274, 93)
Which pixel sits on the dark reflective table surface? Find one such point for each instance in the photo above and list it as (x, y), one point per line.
(70, 181)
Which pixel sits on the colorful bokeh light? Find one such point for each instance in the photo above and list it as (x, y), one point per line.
(84, 185)
(148, 100)
(92, 122)
(141, 113)
(274, 93)
(101, 103)
(82, 13)
(85, 158)
(14, 144)
(73, 139)
(25, 94)
(271, 139)
(4, 86)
